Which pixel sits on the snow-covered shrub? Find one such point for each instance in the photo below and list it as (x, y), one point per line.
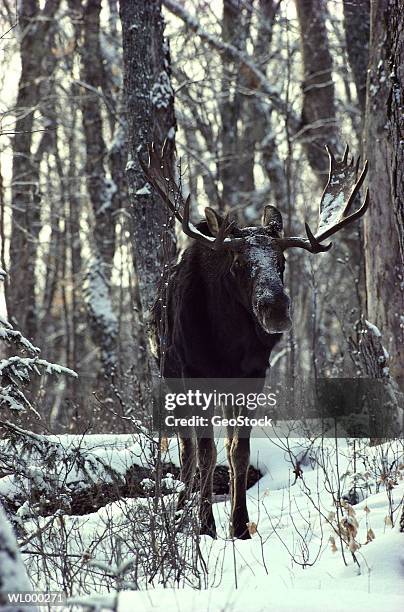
(53, 476)
(17, 371)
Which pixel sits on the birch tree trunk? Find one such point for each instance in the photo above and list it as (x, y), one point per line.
(101, 190)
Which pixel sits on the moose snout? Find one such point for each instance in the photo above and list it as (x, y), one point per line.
(273, 312)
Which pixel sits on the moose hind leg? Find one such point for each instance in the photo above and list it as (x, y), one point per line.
(240, 459)
(207, 461)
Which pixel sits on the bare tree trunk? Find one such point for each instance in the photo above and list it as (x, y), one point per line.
(101, 189)
(234, 162)
(357, 31)
(245, 116)
(258, 133)
(318, 113)
(150, 117)
(34, 27)
(3, 277)
(384, 222)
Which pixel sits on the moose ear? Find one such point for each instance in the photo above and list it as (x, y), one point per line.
(214, 220)
(272, 219)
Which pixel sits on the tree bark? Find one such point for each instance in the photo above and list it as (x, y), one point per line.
(246, 124)
(236, 161)
(384, 134)
(318, 121)
(357, 31)
(149, 101)
(34, 27)
(101, 189)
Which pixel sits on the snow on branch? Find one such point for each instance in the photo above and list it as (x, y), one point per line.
(19, 366)
(16, 371)
(11, 336)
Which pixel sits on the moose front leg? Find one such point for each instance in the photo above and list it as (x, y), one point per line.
(188, 465)
(228, 414)
(240, 460)
(207, 461)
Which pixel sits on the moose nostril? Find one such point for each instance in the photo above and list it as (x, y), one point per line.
(275, 304)
(275, 321)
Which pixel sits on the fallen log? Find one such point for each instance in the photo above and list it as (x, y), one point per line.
(90, 497)
(76, 475)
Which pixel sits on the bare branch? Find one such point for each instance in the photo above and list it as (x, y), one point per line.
(255, 78)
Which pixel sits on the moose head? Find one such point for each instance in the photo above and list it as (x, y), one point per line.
(253, 257)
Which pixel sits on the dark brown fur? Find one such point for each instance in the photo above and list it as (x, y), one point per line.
(213, 332)
(226, 307)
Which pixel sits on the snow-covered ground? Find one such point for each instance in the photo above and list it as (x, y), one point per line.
(290, 563)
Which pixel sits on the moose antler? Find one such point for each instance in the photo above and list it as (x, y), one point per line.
(336, 201)
(159, 173)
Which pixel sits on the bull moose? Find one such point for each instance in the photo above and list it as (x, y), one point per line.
(227, 307)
